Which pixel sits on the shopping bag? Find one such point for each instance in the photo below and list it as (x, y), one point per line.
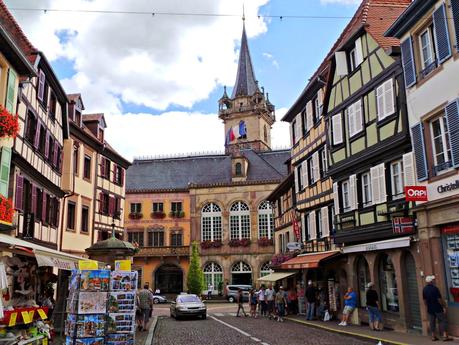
(327, 316)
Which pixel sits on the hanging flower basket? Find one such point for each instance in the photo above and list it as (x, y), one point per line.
(6, 210)
(9, 124)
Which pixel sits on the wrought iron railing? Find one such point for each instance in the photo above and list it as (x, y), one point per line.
(441, 167)
(429, 68)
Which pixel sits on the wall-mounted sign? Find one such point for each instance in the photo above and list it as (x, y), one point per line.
(28, 226)
(296, 226)
(415, 193)
(402, 225)
(448, 187)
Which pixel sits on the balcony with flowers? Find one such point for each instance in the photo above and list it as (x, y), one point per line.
(9, 127)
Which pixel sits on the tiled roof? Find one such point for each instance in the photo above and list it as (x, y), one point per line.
(15, 32)
(179, 173)
(245, 84)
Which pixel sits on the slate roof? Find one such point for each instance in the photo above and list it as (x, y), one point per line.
(245, 84)
(179, 173)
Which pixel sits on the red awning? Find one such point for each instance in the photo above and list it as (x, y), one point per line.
(308, 260)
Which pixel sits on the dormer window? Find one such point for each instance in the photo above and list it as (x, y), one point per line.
(77, 117)
(238, 169)
(349, 58)
(101, 134)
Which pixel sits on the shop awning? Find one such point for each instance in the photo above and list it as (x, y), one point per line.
(45, 256)
(380, 245)
(308, 260)
(275, 276)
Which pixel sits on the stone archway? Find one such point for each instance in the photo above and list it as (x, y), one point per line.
(169, 278)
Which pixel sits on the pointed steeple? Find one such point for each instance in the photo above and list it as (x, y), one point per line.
(245, 84)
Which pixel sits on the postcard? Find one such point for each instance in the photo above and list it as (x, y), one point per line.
(123, 281)
(90, 341)
(119, 339)
(90, 326)
(121, 302)
(121, 323)
(94, 280)
(92, 303)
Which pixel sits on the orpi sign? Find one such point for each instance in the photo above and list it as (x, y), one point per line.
(415, 193)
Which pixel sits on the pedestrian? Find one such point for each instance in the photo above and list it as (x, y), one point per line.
(301, 303)
(322, 302)
(210, 288)
(146, 306)
(292, 299)
(240, 303)
(350, 303)
(436, 309)
(311, 296)
(253, 301)
(262, 300)
(374, 314)
(269, 296)
(281, 304)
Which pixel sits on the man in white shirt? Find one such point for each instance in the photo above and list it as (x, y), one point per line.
(262, 300)
(269, 295)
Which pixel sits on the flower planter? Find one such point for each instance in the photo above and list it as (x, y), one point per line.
(265, 242)
(245, 242)
(6, 210)
(158, 215)
(9, 124)
(135, 215)
(211, 244)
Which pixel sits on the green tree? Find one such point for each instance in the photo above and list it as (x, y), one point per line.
(195, 279)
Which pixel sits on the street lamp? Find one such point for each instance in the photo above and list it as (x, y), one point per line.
(116, 215)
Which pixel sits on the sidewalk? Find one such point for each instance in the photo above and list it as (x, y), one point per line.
(386, 337)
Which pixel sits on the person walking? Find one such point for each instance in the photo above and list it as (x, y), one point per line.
(253, 300)
(146, 306)
(262, 300)
(311, 296)
(350, 303)
(374, 314)
(269, 296)
(210, 288)
(240, 303)
(436, 309)
(281, 304)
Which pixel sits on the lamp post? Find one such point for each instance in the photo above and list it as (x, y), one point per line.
(116, 215)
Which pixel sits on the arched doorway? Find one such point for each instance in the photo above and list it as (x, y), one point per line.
(241, 274)
(363, 278)
(169, 279)
(414, 310)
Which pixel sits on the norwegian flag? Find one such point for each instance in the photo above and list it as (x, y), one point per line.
(402, 225)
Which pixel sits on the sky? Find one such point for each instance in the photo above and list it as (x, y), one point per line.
(158, 77)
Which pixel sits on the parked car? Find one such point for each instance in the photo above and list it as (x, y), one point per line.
(159, 299)
(188, 305)
(231, 292)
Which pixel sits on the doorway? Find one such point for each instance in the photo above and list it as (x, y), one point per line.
(414, 311)
(169, 279)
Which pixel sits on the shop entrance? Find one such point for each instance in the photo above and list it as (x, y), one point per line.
(169, 279)
(414, 311)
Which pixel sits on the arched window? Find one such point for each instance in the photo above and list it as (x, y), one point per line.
(241, 267)
(265, 269)
(239, 221)
(363, 277)
(241, 274)
(238, 169)
(213, 274)
(211, 223)
(388, 284)
(265, 220)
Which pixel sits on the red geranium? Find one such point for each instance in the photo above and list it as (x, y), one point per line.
(6, 209)
(9, 123)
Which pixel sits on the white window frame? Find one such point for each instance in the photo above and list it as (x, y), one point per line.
(385, 99)
(319, 230)
(444, 138)
(265, 220)
(212, 270)
(324, 160)
(215, 230)
(355, 120)
(352, 60)
(396, 174)
(240, 221)
(337, 135)
(430, 46)
(367, 198)
(345, 191)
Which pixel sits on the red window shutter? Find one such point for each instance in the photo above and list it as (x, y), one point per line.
(47, 145)
(34, 199)
(55, 155)
(115, 173)
(111, 206)
(102, 167)
(44, 210)
(37, 135)
(101, 202)
(60, 159)
(19, 193)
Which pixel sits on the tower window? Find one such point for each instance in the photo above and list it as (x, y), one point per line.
(238, 169)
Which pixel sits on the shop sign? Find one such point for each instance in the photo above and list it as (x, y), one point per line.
(28, 226)
(403, 225)
(122, 265)
(450, 229)
(52, 261)
(415, 193)
(87, 265)
(381, 245)
(448, 187)
(296, 226)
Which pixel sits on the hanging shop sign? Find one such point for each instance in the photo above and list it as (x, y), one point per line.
(448, 187)
(415, 193)
(403, 225)
(296, 226)
(28, 226)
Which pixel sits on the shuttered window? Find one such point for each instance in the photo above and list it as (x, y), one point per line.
(325, 221)
(337, 128)
(452, 116)
(417, 139)
(312, 226)
(305, 175)
(345, 190)
(319, 224)
(354, 115)
(336, 197)
(366, 189)
(11, 92)
(358, 51)
(309, 116)
(427, 49)
(297, 179)
(323, 161)
(5, 163)
(41, 85)
(408, 169)
(353, 192)
(341, 63)
(455, 10)
(441, 148)
(409, 68)
(441, 33)
(315, 167)
(18, 199)
(378, 184)
(303, 227)
(397, 179)
(385, 99)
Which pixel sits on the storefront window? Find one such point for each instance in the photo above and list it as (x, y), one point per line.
(451, 250)
(388, 285)
(363, 276)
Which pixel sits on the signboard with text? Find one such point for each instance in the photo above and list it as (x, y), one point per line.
(415, 193)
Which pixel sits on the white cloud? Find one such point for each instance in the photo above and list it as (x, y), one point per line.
(271, 58)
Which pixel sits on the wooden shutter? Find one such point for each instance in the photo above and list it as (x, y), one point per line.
(11, 92)
(353, 192)
(358, 118)
(101, 202)
(34, 199)
(44, 209)
(312, 226)
(5, 165)
(358, 51)
(337, 128)
(102, 166)
(37, 135)
(111, 206)
(115, 173)
(41, 85)
(316, 166)
(299, 128)
(121, 176)
(47, 145)
(455, 10)
(409, 68)
(325, 222)
(417, 140)
(309, 116)
(375, 188)
(295, 172)
(56, 154)
(441, 33)
(389, 99)
(341, 63)
(336, 197)
(320, 97)
(303, 228)
(59, 161)
(382, 183)
(18, 205)
(452, 118)
(408, 169)
(304, 174)
(380, 102)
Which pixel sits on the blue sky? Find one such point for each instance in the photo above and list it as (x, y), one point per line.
(162, 77)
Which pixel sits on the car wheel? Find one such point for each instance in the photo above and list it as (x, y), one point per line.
(231, 299)
(204, 316)
(172, 316)
(155, 300)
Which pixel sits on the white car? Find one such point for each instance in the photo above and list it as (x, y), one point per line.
(188, 305)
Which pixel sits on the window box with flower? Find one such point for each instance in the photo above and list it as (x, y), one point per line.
(244, 242)
(6, 210)
(9, 127)
(135, 215)
(265, 242)
(211, 244)
(278, 259)
(158, 215)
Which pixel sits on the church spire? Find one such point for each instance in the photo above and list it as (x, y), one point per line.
(245, 84)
